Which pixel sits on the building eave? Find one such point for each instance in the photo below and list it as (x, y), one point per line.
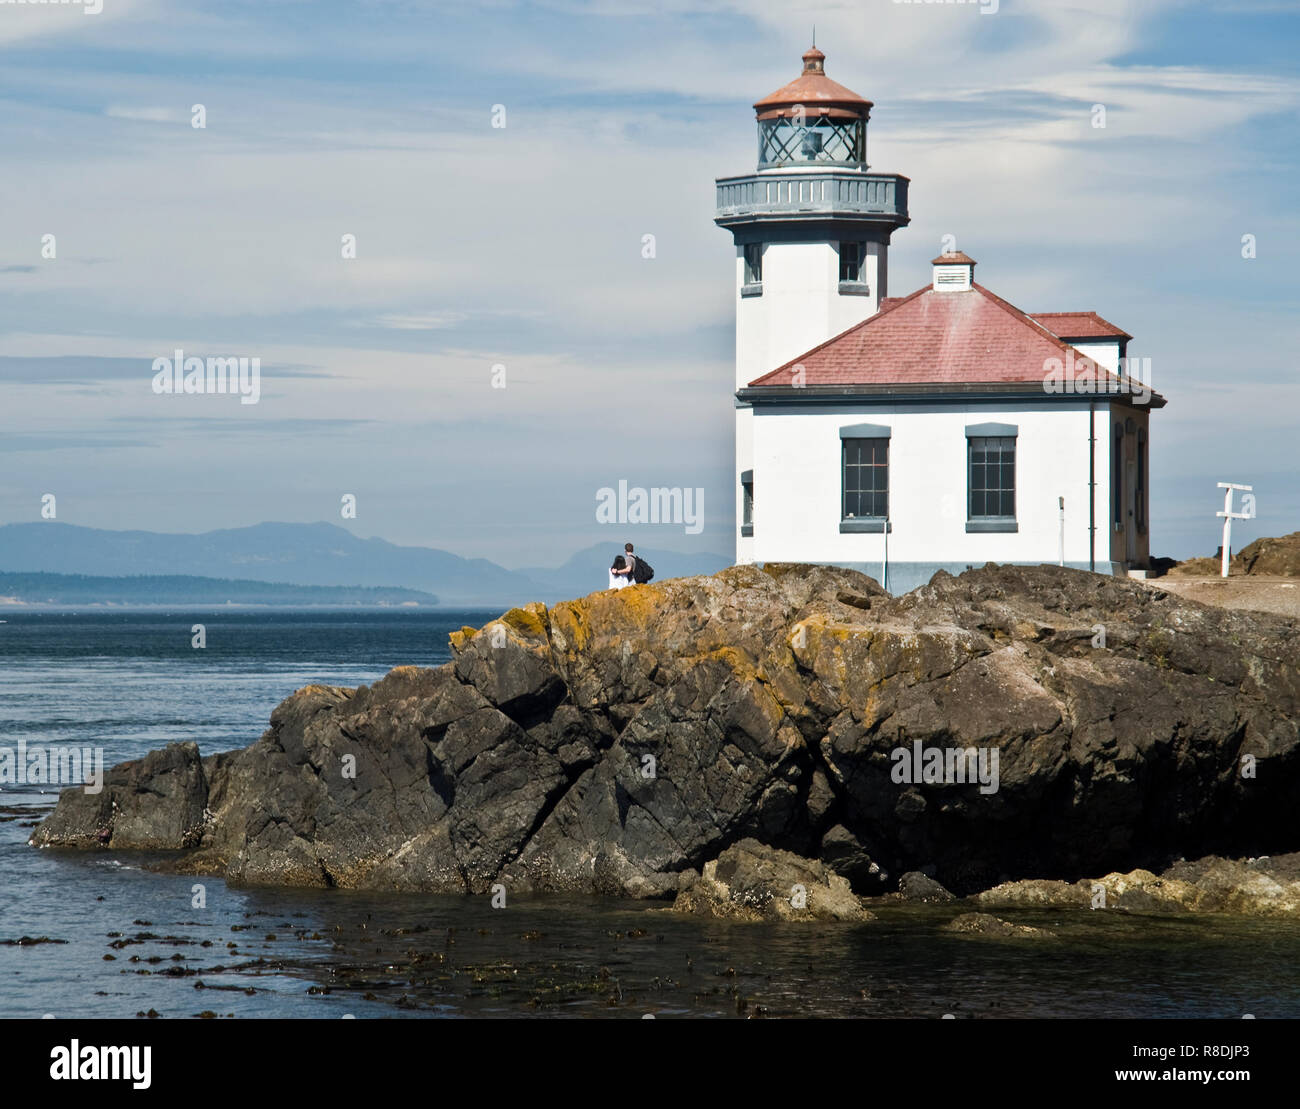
(929, 393)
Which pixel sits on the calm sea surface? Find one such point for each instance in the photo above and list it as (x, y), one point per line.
(129, 681)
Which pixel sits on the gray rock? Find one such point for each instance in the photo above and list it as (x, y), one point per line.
(156, 802)
(751, 882)
(915, 886)
(1260, 887)
(842, 851)
(617, 743)
(982, 924)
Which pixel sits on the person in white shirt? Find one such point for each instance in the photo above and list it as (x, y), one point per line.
(618, 574)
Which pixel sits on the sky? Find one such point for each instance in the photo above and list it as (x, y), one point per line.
(513, 255)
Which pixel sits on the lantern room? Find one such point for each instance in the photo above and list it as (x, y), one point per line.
(812, 121)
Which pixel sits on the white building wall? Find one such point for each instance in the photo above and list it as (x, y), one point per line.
(1104, 353)
(800, 306)
(744, 461)
(797, 476)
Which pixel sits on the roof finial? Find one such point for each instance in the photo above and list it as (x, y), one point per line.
(814, 34)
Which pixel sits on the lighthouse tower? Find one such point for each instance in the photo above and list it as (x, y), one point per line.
(811, 227)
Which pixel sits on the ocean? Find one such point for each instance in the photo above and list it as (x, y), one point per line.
(133, 941)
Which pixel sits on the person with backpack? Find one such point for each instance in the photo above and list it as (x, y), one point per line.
(638, 570)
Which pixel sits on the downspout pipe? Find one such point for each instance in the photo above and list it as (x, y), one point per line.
(1092, 487)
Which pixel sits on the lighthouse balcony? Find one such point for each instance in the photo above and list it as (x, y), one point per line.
(800, 194)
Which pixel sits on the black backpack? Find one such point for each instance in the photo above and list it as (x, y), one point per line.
(642, 571)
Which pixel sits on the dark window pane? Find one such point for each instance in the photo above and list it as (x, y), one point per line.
(992, 475)
(866, 477)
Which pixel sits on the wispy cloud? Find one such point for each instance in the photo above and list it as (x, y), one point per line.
(145, 115)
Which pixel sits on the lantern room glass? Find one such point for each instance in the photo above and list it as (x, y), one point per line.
(815, 141)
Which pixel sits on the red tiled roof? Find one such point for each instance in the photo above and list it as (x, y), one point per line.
(1080, 325)
(956, 258)
(929, 337)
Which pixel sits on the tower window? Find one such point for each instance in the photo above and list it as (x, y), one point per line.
(853, 257)
(747, 503)
(753, 263)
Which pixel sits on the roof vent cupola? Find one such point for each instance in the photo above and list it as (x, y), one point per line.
(954, 272)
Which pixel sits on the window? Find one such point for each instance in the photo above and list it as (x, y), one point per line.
(852, 261)
(753, 263)
(866, 478)
(992, 484)
(785, 140)
(1117, 477)
(747, 502)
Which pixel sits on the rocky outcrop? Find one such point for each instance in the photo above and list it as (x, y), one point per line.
(915, 886)
(621, 742)
(154, 803)
(1251, 887)
(751, 882)
(982, 924)
(1277, 556)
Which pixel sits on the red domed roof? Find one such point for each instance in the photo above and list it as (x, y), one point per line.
(819, 95)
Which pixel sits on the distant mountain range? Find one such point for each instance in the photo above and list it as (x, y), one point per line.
(181, 589)
(319, 555)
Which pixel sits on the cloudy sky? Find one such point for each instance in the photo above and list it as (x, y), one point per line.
(521, 246)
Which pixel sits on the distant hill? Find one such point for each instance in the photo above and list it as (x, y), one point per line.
(180, 589)
(315, 554)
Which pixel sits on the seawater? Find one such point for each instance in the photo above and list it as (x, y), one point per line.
(134, 942)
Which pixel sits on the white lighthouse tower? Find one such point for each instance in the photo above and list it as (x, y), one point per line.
(812, 228)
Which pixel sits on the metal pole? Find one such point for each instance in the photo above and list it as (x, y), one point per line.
(1062, 503)
(884, 565)
(1092, 487)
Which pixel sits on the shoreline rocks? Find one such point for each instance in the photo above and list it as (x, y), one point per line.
(621, 743)
(982, 924)
(751, 882)
(1266, 887)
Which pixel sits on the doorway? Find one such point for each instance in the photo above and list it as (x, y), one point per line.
(1130, 500)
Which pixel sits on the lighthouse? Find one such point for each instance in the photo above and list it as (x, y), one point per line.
(906, 435)
(811, 227)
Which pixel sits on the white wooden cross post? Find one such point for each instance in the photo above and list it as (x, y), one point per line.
(1247, 513)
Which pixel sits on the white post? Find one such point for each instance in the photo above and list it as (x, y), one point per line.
(1228, 516)
(1061, 500)
(1227, 528)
